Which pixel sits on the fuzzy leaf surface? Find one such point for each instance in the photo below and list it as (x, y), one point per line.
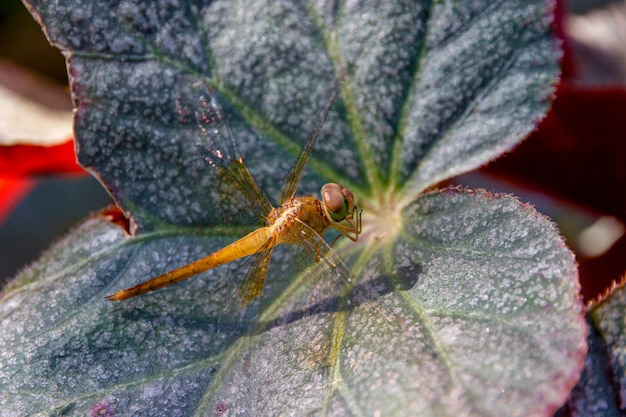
(430, 90)
(462, 302)
(472, 310)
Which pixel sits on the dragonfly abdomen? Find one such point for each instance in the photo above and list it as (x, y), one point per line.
(246, 246)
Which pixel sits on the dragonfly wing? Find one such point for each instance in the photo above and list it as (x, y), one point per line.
(326, 256)
(235, 183)
(252, 286)
(294, 176)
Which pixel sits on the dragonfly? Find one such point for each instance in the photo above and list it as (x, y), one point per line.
(300, 220)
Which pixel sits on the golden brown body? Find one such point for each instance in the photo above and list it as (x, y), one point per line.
(298, 219)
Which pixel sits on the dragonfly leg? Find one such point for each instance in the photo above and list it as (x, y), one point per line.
(351, 230)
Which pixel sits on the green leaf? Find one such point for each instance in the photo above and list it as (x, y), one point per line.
(431, 90)
(464, 312)
(463, 302)
(610, 319)
(595, 395)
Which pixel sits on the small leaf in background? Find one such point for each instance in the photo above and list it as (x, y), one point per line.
(596, 394)
(609, 318)
(463, 302)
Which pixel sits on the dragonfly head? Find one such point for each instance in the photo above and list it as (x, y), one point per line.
(338, 202)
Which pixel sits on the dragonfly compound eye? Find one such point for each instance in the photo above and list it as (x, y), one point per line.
(335, 201)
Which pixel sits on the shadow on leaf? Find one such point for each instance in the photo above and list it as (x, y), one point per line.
(404, 279)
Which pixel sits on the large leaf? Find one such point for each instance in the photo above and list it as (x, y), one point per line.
(431, 90)
(472, 310)
(463, 303)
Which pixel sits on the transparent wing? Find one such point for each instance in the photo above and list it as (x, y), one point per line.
(327, 257)
(252, 286)
(235, 186)
(294, 176)
(324, 274)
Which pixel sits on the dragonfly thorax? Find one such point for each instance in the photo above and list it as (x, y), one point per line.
(297, 219)
(301, 218)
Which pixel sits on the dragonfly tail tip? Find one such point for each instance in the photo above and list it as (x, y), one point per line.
(114, 297)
